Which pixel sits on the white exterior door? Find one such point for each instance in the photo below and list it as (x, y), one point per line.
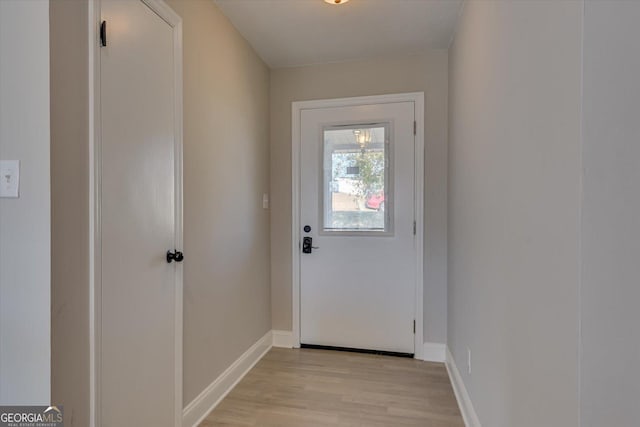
(139, 219)
(358, 272)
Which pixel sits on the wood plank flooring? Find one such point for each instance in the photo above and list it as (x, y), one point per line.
(309, 388)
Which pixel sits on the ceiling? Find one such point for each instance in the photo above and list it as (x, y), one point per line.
(288, 33)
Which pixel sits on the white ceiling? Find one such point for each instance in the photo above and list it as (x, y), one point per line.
(288, 33)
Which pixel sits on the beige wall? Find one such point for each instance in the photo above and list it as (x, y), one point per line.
(25, 250)
(425, 72)
(226, 171)
(70, 210)
(514, 204)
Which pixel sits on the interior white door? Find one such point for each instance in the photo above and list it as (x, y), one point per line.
(139, 193)
(357, 284)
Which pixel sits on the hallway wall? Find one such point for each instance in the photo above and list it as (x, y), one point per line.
(70, 357)
(610, 378)
(425, 72)
(25, 225)
(226, 171)
(514, 205)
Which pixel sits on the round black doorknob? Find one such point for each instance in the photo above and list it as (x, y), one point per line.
(176, 256)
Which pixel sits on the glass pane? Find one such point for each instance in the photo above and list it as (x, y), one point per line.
(356, 176)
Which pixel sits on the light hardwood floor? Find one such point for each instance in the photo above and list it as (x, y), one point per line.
(308, 388)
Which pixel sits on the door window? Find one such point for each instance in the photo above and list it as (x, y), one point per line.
(356, 194)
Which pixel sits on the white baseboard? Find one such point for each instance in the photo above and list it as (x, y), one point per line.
(434, 352)
(462, 396)
(199, 408)
(282, 339)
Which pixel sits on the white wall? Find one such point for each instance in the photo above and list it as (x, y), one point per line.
(514, 187)
(24, 222)
(610, 375)
(425, 73)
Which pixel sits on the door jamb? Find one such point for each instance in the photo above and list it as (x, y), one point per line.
(95, 197)
(296, 112)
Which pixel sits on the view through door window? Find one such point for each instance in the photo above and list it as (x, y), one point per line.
(356, 190)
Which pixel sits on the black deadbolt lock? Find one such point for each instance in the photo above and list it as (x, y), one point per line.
(307, 228)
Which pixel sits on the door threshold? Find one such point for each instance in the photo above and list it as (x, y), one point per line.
(358, 350)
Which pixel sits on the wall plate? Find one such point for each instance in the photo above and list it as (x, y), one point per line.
(10, 178)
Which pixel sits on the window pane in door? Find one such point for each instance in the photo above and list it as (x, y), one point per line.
(356, 194)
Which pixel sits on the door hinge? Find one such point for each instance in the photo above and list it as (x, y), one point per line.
(415, 226)
(414, 326)
(103, 33)
(415, 127)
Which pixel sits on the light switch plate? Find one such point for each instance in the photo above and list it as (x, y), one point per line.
(265, 201)
(10, 178)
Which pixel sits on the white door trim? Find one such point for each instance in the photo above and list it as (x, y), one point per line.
(296, 111)
(95, 197)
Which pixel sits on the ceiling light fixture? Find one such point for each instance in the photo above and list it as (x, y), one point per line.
(336, 1)
(363, 137)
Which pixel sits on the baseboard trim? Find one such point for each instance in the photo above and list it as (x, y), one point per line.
(434, 352)
(199, 408)
(282, 339)
(462, 396)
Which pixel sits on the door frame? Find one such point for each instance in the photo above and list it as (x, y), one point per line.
(95, 197)
(296, 113)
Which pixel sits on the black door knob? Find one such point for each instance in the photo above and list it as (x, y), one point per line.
(176, 256)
